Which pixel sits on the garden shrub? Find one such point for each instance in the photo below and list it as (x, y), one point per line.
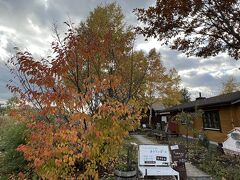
(203, 140)
(127, 158)
(11, 136)
(206, 157)
(214, 163)
(220, 166)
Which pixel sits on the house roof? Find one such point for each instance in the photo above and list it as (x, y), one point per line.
(157, 106)
(221, 100)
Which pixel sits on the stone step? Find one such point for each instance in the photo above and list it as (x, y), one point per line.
(194, 173)
(199, 178)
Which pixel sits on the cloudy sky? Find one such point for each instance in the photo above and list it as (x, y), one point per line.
(28, 24)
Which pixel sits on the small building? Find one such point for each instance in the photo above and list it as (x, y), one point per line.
(152, 118)
(221, 114)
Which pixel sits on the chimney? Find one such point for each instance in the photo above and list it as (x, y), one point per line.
(200, 97)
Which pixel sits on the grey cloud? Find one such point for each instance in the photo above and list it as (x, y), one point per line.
(173, 58)
(200, 74)
(196, 80)
(15, 13)
(205, 83)
(5, 76)
(15, 16)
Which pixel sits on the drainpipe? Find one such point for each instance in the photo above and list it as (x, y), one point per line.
(150, 116)
(232, 116)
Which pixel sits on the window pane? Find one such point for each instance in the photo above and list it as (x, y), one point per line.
(211, 119)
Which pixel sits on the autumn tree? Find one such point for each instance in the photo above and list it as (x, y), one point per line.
(163, 85)
(141, 76)
(186, 96)
(196, 27)
(230, 85)
(118, 38)
(78, 126)
(86, 95)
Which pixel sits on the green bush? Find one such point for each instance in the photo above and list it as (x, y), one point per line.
(203, 140)
(3, 111)
(12, 134)
(128, 155)
(214, 163)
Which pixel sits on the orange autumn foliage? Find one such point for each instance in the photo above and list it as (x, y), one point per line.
(87, 96)
(76, 127)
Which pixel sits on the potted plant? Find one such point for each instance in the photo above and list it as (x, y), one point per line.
(126, 167)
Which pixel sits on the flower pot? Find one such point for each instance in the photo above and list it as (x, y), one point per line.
(130, 175)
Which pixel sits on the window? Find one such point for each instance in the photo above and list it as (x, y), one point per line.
(211, 120)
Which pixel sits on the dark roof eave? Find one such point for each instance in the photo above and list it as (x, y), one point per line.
(193, 107)
(216, 101)
(236, 102)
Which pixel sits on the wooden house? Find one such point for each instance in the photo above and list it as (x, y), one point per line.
(220, 115)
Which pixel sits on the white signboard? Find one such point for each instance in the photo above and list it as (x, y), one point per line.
(156, 155)
(164, 119)
(174, 147)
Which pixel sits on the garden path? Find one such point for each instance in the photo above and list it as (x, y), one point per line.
(142, 139)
